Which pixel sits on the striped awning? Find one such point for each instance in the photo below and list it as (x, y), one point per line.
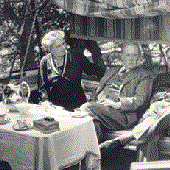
(118, 19)
(115, 8)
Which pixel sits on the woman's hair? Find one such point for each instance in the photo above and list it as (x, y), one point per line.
(50, 38)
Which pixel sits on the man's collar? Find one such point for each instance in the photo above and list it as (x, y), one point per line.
(122, 70)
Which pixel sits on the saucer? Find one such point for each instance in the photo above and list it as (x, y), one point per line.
(167, 100)
(78, 115)
(17, 128)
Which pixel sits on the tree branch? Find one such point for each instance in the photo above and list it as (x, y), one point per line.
(28, 29)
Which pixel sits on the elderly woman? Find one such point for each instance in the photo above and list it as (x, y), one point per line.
(61, 72)
(124, 111)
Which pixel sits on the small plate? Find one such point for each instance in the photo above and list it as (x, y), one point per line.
(167, 100)
(5, 121)
(76, 115)
(16, 127)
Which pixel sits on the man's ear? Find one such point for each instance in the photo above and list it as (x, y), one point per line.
(140, 59)
(3, 86)
(121, 55)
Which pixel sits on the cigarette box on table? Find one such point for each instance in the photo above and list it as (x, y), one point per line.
(46, 125)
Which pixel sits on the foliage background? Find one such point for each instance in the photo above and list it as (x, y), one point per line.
(16, 18)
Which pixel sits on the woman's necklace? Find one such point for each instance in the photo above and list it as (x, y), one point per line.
(58, 61)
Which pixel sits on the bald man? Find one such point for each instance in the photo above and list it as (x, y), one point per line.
(123, 111)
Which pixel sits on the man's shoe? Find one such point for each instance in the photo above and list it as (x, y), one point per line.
(111, 144)
(115, 143)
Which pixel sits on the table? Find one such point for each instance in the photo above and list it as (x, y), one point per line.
(28, 150)
(158, 165)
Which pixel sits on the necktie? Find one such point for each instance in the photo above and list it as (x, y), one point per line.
(122, 71)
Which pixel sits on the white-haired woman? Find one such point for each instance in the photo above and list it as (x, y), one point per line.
(61, 71)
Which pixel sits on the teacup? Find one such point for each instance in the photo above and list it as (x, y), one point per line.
(22, 123)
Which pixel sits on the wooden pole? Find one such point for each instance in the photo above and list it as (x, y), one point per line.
(27, 49)
(12, 66)
(28, 32)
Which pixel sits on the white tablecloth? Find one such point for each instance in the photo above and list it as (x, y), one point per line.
(28, 150)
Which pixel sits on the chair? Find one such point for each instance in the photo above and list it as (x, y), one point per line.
(163, 151)
(144, 163)
(135, 145)
(163, 147)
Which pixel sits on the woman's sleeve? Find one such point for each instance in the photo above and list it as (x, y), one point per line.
(43, 71)
(142, 94)
(90, 68)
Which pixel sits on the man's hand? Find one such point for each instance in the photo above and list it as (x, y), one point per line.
(85, 106)
(93, 98)
(106, 144)
(108, 102)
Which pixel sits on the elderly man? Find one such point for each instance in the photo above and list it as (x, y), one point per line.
(61, 71)
(155, 123)
(124, 110)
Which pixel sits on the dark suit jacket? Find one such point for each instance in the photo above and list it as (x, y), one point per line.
(162, 82)
(135, 96)
(136, 89)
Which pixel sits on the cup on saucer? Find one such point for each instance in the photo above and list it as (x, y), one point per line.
(78, 114)
(22, 125)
